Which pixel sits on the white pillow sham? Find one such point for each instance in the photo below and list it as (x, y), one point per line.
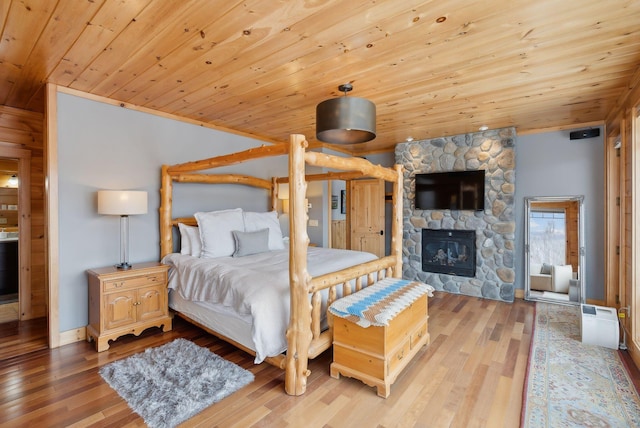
(190, 240)
(268, 220)
(215, 231)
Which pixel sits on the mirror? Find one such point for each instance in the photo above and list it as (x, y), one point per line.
(554, 249)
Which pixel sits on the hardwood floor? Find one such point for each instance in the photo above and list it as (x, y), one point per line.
(22, 337)
(471, 375)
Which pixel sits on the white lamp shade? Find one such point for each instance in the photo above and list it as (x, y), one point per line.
(122, 202)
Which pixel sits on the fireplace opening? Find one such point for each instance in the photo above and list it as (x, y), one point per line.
(452, 252)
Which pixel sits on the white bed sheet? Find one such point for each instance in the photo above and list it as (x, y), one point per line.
(216, 317)
(255, 285)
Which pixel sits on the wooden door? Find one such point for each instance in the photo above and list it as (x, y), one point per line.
(339, 234)
(366, 216)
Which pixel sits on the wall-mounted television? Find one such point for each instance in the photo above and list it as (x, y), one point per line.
(455, 190)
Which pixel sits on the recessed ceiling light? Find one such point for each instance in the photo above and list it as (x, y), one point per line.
(484, 128)
(409, 139)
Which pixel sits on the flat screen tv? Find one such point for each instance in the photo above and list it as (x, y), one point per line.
(455, 190)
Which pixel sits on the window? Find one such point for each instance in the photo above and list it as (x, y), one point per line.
(548, 237)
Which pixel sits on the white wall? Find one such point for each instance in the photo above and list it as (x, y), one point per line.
(550, 164)
(101, 146)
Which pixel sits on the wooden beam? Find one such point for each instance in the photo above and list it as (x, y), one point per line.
(189, 221)
(327, 280)
(350, 164)
(222, 179)
(331, 175)
(230, 159)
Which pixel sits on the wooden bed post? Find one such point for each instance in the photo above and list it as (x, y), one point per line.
(299, 331)
(274, 194)
(397, 226)
(166, 232)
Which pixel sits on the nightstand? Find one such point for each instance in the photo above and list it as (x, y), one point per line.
(126, 301)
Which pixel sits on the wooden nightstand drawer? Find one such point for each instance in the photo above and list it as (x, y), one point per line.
(127, 301)
(134, 282)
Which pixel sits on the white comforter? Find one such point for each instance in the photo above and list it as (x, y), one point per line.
(257, 285)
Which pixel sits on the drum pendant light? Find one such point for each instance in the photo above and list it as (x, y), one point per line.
(346, 120)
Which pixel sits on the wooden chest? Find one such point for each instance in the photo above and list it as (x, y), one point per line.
(376, 355)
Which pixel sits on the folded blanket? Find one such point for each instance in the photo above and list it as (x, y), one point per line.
(380, 303)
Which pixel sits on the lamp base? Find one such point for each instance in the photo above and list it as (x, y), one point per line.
(123, 266)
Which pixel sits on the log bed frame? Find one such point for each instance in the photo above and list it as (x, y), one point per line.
(304, 336)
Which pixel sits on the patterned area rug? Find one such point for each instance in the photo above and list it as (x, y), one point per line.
(169, 384)
(571, 384)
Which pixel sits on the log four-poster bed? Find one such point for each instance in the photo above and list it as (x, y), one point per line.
(308, 329)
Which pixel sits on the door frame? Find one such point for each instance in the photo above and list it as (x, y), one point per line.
(24, 227)
(614, 294)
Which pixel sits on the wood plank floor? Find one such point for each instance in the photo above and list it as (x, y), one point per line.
(22, 337)
(471, 375)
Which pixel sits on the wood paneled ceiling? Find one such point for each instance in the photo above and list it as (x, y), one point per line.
(260, 67)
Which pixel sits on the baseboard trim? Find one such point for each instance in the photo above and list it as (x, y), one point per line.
(72, 336)
(519, 294)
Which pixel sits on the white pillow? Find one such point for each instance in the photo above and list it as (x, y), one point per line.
(190, 240)
(215, 231)
(255, 221)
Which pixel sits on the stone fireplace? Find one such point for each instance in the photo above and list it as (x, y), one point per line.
(449, 251)
(493, 276)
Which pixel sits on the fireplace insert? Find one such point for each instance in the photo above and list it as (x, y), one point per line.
(452, 252)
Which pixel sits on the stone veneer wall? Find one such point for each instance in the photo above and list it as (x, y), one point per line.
(493, 151)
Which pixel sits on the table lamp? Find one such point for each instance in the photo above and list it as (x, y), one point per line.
(123, 203)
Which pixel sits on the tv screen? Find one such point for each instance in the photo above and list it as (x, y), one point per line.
(456, 190)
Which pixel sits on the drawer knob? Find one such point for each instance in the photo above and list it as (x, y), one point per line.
(401, 355)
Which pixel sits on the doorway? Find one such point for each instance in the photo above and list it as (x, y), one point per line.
(9, 263)
(28, 330)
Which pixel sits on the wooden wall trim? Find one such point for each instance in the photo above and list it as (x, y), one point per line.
(633, 293)
(612, 205)
(51, 212)
(559, 128)
(72, 336)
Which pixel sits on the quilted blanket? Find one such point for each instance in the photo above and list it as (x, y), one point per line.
(378, 304)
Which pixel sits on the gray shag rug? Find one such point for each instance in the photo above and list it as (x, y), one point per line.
(169, 384)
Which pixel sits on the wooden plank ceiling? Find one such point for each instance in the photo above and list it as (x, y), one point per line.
(260, 67)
